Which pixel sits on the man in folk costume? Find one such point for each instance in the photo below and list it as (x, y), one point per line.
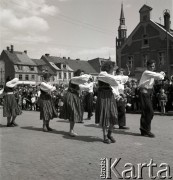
(89, 99)
(121, 104)
(47, 108)
(145, 90)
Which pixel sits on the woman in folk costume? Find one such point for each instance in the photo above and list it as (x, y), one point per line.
(106, 106)
(47, 108)
(145, 91)
(72, 108)
(10, 108)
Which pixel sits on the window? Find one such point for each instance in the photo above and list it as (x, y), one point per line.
(145, 59)
(31, 68)
(161, 58)
(145, 40)
(69, 75)
(64, 66)
(130, 61)
(33, 77)
(60, 77)
(20, 67)
(20, 76)
(26, 77)
(65, 76)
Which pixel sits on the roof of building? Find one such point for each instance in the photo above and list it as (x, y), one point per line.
(73, 64)
(42, 65)
(19, 58)
(145, 7)
(163, 28)
(39, 62)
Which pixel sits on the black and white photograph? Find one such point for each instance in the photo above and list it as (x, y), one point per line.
(86, 89)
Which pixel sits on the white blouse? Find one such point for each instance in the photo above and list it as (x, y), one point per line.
(80, 79)
(113, 81)
(148, 77)
(47, 87)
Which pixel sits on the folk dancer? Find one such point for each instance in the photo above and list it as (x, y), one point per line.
(121, 104)
(106, 114)
(47, 108)
(73, 108)
(89, 99)
(10, 107)
(145, 90)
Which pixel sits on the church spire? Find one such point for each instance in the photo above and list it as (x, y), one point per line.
(122, 12)
(122, 18)
(122, 30)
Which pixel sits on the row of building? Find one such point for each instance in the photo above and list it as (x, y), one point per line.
(29, 71)
(148, 40)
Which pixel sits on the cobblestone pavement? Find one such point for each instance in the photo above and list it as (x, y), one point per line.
(27, 153)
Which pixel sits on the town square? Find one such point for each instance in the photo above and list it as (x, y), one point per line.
(86, 89)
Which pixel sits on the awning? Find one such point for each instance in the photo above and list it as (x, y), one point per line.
(27, 82)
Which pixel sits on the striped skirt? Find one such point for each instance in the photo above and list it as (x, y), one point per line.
(47, 108)
(72, 108)
(106, 109)
(10, 107)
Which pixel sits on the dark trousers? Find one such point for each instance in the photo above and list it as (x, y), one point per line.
(89, 104)
(147, 112)
(121, 112)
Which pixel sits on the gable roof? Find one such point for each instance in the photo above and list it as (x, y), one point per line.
(40, 64)
(161, 27)
(73, 64)
(19, 58)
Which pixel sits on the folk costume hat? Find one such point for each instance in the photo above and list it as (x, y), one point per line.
(12, 83)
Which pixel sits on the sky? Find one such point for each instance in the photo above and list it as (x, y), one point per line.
(84, 29)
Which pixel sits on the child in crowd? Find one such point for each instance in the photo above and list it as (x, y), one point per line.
(162, 100)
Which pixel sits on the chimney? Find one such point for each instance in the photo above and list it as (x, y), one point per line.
(8, 48)
(167, 21)
(12, 48)
(68, 57)
(25, 51)
(47, 55)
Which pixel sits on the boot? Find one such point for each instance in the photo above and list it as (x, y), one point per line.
(110, 136)
(45, 128)
(48, 128)
(106, 140)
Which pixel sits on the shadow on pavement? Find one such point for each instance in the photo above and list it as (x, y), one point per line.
(116, 130)
(66, 135)
(126, 133)
(83, 138)
(2, 126)
(64, 121)
(40, 129)
(92, 125)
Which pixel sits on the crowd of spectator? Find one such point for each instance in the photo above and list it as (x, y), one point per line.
(162, 97)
